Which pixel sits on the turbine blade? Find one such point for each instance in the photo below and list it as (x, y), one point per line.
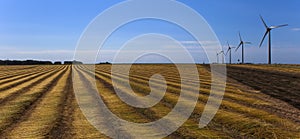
(228, 50)
(263, 38)
(262, 19)
(239, 46)
(228, 45)
(247, 43)
(272, 27)
(240, 36)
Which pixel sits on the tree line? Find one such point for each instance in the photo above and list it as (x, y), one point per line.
(36, 62)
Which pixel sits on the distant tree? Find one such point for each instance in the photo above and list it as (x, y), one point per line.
(68, 62)
(104, 63)
(72, 62)
(57, 63)
(2, 62)
(26, 62)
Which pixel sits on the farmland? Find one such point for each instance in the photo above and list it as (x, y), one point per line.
(260, 101)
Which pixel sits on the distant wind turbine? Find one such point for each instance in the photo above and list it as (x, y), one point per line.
(268, 32)
(229, 50)
(223, 54)
(242, 43)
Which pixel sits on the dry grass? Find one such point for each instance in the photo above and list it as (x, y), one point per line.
(12, 110)
(42, 118)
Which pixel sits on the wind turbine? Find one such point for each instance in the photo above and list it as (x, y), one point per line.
(223, 54)
(268, 32)
(229, 50)
(242, 43)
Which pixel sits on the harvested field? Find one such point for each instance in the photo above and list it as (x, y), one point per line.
(260, 101)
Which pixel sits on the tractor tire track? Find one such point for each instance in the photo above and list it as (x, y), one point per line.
(63, 125)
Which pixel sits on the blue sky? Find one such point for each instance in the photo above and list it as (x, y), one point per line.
(50, 29)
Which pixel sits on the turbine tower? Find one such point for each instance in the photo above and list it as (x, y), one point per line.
(217, 57)
(242, 43)
(268, 32)
(229, 50)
